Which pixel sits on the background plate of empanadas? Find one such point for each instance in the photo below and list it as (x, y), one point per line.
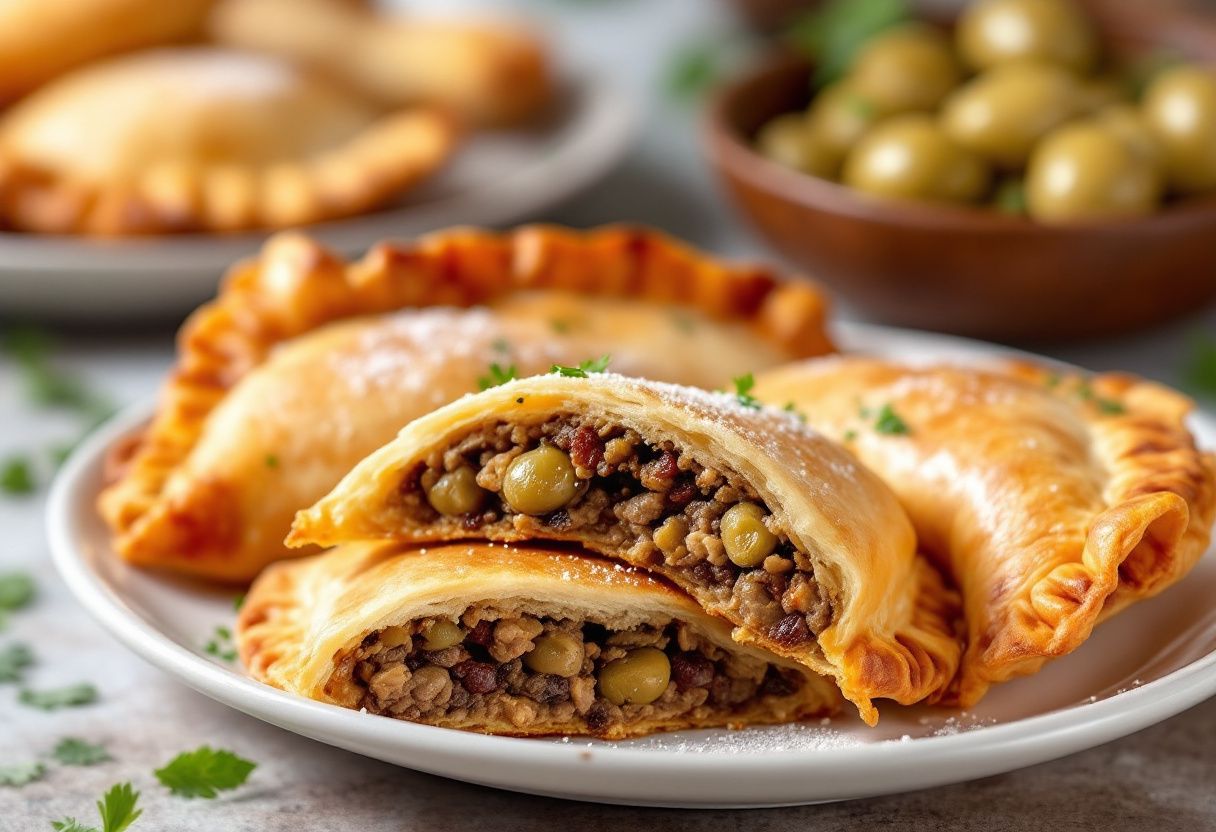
(1151, 661)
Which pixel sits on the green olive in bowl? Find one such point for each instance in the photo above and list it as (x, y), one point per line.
(789, 140)
(911, 157)
(1003, 112)
(1180, 107)
(1128, 123)
(907, 69)
(995, 32)
(839, 116)
(1087, 171)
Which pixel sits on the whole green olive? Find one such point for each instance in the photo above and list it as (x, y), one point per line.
(1087, 171)
(456, 493)
(560, 654)
(1003, 112)
(1180, 107)
(638, 678)
(839, 116)
(994, 32)
(670, 535)
(911, 157)
(909, 68)
(788, 140)
(745, 537)
(441, 635)
(1128, 123)
(539, 481)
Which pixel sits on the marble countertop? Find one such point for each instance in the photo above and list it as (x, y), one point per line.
(1160, 778)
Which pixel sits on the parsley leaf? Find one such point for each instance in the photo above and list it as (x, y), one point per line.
(21, 773)
(561, 327)
(14, 659)
(1011, 198)
(498, 375)
(272, 460)
(204, 772)
(117, 810)
(834, 33)
(56, 698)
(238, 602)
(220, 645)
(501, 345)
(850, 435)
(75, 752)
(1108, 406)
(890, 423)
(1200, 370)
(16, 590)
(694, 68)
(591, 365)
(16, 477)
(743, 391)
(790, 407)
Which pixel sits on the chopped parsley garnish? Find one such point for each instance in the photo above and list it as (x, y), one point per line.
(1199, 373)
(743, 391)
(790, 407)
(497, 375)
(238, 602)
(55, 698)
(16, 476)
(890, 423)
(683, 321)
(501, 345)
(561, 327)
(1011, 198)
(21, 774)
(1052, 380)
(850, 435)
(1108, 406)
(591, 365)
(76, 752)
(16, 590)
(220, 645)
(204, 772)
(694, 68)
(13, 659)
(46, 386)
(116, 808)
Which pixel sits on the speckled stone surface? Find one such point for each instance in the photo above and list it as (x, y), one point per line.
(1162, 779)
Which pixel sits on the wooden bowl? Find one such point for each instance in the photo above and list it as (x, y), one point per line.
(965, 270)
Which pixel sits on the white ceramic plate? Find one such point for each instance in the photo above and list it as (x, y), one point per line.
(1147, 664)
(495, 179)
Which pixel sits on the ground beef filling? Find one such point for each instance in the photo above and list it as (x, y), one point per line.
(486, 668)
(654, 504)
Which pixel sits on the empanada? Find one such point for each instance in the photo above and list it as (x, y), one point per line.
(40, 39)
(1054, 500)
(490, 74)
(200, 139)
(520, 641)
(761, 520)
(268, 407)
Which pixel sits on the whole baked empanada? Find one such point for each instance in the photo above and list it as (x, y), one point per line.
(760, 519)
(305, 364)
(1054, 500)
(490, 74)
(511, 640)
(204, 139)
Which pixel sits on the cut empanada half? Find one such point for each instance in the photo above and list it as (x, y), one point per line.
(305, 364)
(1054, 500)
(761, 520)
(511, 640)
(205, 139)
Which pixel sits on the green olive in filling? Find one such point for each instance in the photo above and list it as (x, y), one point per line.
(746, 539)
(638, 678)
(560, 654)
(456, 493)
(670, 536)
(539, 481)
(442, 635)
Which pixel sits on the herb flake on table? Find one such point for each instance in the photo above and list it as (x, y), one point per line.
(47, 386)
(17, 476)
(743, 391)
(116, 808)
(889, 422)
(13, 659)
(16, 590)
(52, 699)
(20, 774)
(584, 368)
(71, 751)
(220, 645)
(497, 374)
(204, 772)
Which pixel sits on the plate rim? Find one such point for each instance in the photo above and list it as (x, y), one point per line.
(970, 753)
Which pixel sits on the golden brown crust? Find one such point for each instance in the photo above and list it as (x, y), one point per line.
(296, 287)
(286, 150)
(1055, 500)
(303, 617)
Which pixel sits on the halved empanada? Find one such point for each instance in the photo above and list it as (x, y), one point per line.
(506, 640)
(268, 406)
(1054, 500)
(204, 139)
(761, 520)
(490, 74)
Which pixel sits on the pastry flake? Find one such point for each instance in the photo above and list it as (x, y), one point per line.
(203, 139)
(305, 364)
(1053, 499)
(520, 641)
(760, 519)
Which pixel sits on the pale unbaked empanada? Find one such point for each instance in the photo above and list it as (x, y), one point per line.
(511, 640)
(1054, 500)
(761, 520)
(204, 139)
(305, 364)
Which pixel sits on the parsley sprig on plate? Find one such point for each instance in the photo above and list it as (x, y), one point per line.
(744, 385)
(498, 374)
(584, 368)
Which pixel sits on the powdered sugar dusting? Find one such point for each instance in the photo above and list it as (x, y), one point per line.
(764, 739)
